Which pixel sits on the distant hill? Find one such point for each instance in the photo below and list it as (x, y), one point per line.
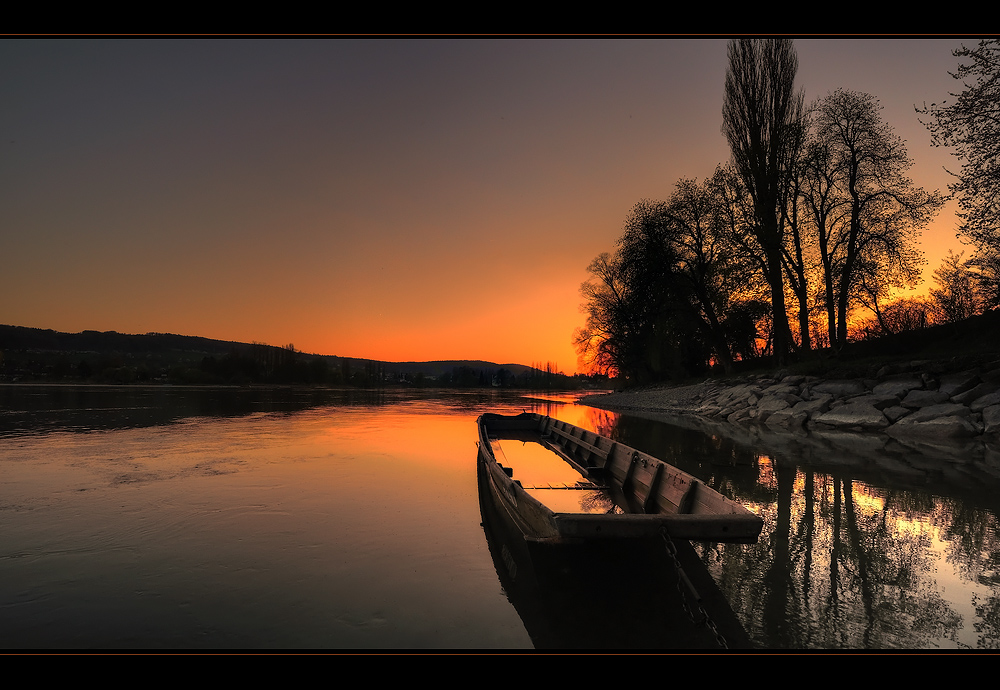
(22, 338)
(35, 354)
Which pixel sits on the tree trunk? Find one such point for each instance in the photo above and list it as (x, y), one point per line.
(779, 321)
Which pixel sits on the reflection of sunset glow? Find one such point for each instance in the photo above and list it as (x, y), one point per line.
(268, 529)
(538, 468)
(909, 527)
(765, 472)
(868, 499)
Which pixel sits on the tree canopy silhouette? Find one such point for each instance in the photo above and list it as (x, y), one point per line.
(817, 203)
(971, 125)
(867, 213)
(956, 295)
(677, 296)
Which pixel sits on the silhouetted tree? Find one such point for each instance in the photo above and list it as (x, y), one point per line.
(878, 277)
(659, 267)
(677, 295)
(707, 268)
(957, 295)
(867, 213)
(906, 314)
(716, 277)
(639, 321)
(823, 205)
(762, 120)
(798, 249)
(971, 125)
(750, 319)
(986, 268)
(603, 343)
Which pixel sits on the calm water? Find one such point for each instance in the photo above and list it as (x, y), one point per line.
(185, 518)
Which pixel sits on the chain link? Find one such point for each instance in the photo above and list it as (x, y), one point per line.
(687, 591)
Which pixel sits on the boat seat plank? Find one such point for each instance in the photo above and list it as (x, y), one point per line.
(578, 443)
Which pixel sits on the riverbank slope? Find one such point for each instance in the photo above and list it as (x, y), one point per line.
(911, 399)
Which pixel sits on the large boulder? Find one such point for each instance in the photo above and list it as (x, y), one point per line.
(854, 415)
(915, 398)
(935, 411)
(991, 419)
(975, 393)
(898, 387)
(786, 419)
(952, 426)
(842, 389)
(813, 408)
(770, 404)
(980, 404)
(953, 384)
(878, 401)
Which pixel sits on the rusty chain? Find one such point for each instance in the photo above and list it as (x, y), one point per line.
(687, 591)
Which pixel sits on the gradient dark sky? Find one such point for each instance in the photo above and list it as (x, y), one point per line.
(392, 199)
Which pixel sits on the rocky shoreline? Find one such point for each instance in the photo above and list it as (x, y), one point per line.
(916, 400)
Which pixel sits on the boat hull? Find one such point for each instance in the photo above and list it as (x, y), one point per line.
(547, 584)
(652, 495)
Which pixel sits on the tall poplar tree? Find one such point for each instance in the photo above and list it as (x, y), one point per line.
(762, 120)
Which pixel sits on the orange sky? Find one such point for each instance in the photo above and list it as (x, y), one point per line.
(390, 199)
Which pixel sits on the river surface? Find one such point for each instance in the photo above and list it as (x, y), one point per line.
(179, 518)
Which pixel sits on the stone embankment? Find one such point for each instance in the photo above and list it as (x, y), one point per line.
(902, 400)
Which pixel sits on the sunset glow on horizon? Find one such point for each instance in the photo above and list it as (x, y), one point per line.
(399, 200)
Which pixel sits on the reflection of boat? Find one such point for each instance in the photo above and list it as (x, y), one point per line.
(623, 492)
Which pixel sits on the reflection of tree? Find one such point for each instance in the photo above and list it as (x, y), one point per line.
(838, 566)
(988, 625)
(778, 585)
(840, 563)
(974, 547)
(972, 539)
(598, 502)
(601, 421)
(727, 467)
(832, 606)
(888, 597)
(804, 538)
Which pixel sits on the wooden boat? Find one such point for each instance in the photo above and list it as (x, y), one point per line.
(546, 585)
(641, 495)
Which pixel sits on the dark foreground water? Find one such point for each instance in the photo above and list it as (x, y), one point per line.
(280, 519)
